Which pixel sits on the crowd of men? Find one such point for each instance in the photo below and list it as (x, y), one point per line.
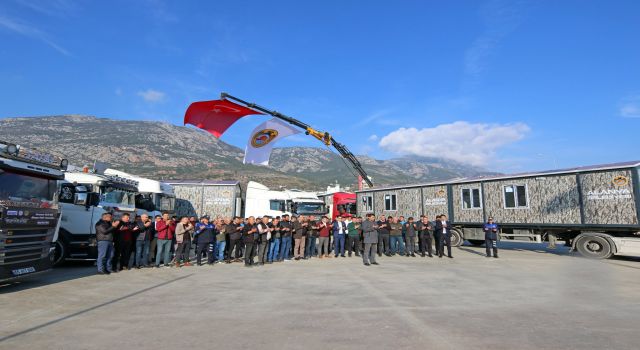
(167, 241)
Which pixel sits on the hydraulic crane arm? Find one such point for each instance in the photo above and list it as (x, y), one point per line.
(324, 137)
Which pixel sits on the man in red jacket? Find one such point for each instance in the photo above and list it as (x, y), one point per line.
(166, 229)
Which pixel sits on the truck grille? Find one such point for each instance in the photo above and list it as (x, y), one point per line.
(18, 246)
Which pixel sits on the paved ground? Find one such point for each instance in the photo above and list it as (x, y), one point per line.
(530, 298)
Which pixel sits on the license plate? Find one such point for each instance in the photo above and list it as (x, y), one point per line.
(18, 272)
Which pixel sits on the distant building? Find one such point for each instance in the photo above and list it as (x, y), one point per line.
(207, 197)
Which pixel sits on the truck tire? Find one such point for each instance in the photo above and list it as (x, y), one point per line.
(456, 237)
(60, 253)
(594, 247)
(476, 242)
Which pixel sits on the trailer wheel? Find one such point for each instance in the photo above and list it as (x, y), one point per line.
(476, 242)
(594, 247)
(60, 253)
(456, 237)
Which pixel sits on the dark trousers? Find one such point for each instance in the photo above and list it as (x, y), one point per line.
(339, 246)
(249, 253)
(201, 248)
(237, 245)
(182, 251)
(445, 240)
(262, 251)
(383, 244)
(117, 252)
(310, 248)
(125, 254)
(354, 245)
(491, 243)
(426, 242)
(410, 245)
(152, 249)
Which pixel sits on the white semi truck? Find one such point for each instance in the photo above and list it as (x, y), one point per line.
(29, 211)
(260, 200)
(154, 198)
(84, 197)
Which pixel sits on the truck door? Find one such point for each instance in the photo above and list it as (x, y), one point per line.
(76, 226)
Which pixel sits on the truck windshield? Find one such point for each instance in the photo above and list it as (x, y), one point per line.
(166, 203)
(122, 198)
(309, 208)
(22, 187)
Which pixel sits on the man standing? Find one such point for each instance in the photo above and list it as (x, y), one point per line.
(353, 232)
(125, 235)
(370, 238)
(263, 239)
(184, 230)
(204, 232)
(143, 238)
(490, 237)
(312, 235)
(285, 232)
(299, 233)
(274, 247)
(411, 228)
(104, 236)
(339, 233)
(395, 237)
(154, 239)
(425, 233)
(443, 230)
(248, 232)
(220, 239)
(235, 240)
(323, 234)
(383, 236)
(166, 230)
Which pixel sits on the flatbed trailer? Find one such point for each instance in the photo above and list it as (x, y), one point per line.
(596, 209)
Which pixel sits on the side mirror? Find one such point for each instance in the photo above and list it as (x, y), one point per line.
(80, 198)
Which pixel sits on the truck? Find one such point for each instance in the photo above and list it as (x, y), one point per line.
(29, 210)
(594, 209)
(84, 196)
(339, 203)
(153, 198)
(260, 200)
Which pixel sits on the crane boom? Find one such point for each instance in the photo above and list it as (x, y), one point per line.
(324, 137)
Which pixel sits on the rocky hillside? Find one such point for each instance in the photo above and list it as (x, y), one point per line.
(166, 151)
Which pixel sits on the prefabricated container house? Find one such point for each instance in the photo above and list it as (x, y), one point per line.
(597, 208)
(207, 197)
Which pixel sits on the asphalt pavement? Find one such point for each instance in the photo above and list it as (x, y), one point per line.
(529, 298)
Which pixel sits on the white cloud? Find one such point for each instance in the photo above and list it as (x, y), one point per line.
(151, 95)
(30, 31)
(630, 107)
(469, 143)
(373, 137)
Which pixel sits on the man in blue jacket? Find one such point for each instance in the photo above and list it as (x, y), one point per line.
(205, 236)
(490, 237)
(339, 234)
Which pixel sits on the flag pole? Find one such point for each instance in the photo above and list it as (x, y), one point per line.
(325, 137)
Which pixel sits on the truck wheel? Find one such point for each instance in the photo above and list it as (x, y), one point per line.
(476, 242)
(456, 238)
(60, 252)
(594, 247)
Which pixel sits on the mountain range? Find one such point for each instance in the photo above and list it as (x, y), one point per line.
(165, 151)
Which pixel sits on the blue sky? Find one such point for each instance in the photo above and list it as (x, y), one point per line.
(512, 85)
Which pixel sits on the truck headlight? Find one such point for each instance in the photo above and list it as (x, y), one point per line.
(64, 164)
(12, 149)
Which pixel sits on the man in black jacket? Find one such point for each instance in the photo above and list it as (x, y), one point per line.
(234, 230)
(443, 232)
(248, 232)
(384, 230)
(104, 236)
(425, 236)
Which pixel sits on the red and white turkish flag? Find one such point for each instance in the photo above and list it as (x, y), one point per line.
(215, 116)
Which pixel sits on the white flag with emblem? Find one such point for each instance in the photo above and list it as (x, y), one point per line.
(263, 137)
